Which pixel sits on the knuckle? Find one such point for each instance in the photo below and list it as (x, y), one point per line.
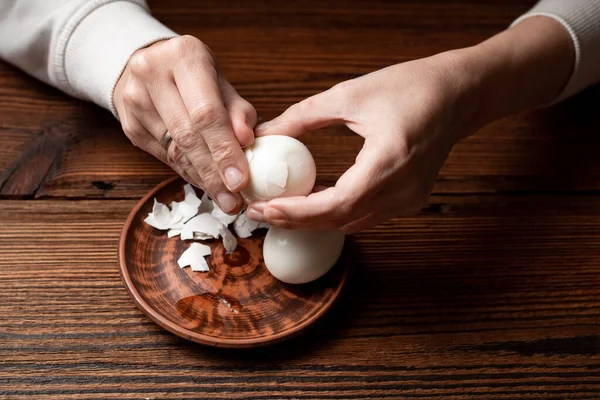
(186, 138)
(223, 153)
(299, 108)
(303, 107)
(174, 155)
(141, 63)
(185, 44)
(205, 116)
(341, 88)
(133, 96)
(213, 181)
(206, 60)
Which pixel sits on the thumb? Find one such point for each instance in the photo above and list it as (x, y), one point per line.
(316, 112)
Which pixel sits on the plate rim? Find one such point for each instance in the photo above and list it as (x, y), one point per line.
(194, 336)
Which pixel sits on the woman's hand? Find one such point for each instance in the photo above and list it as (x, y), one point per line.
(410, 115)
(175, 86)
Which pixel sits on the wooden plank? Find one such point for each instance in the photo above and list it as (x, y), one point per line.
(487, 297)
(279, 53)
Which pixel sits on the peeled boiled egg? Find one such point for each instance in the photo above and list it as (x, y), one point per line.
(280, 166)
(301, 256)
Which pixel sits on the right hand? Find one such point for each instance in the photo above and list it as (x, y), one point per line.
(175, 85)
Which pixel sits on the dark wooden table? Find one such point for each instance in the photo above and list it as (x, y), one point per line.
(492, 292)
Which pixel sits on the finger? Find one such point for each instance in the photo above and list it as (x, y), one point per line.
(197, 82)
(142, 111)
(210, 179)
(153, 147)
(340, 203)
(229, 202)
(138, 102)
(241, 113)
(174, 114)
(255, 211)
(316, 112)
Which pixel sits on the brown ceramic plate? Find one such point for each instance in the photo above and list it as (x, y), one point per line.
(237, 304)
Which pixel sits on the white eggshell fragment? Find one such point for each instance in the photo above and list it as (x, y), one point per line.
(186, 210)
(222, 216)
(280, 166)
(244, 226)
(202, 223)
(301, 256)
(173, 232)
(206, 205)
(194, 257)
(276, 179)
(263, 225)
(191, 197)
(229, 240)
(162, 218)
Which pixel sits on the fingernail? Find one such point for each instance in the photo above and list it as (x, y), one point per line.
(233, 178)
(255, 215)
(227, 202)
(274, 214)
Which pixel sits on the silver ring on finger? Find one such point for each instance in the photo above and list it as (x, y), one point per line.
(166, 141)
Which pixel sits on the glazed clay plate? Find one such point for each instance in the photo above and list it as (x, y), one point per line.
(237, 304)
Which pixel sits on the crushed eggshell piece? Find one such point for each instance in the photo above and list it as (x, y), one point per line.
(206, 205)
(263, 225)
(202, 219)
(223, 217)
(201, 223)
(162, 218)
(229, 240)
(186, 210)
(276, 179)
(173, 232)
(176, 215)
(244, 226)
(161, 213)
(194, 257)
(191, 197)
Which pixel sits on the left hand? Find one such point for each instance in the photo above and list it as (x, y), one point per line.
(410, 116)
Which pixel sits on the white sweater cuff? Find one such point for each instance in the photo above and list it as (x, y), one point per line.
(581, 19)
(97, 48)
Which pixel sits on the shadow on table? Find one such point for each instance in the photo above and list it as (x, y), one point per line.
(564, 142)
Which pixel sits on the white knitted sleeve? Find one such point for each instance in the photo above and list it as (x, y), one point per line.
(78, 46)
(581, 18)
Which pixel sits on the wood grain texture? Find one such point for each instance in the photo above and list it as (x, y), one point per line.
(237, 304)
(490, 297)
(491, 293)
